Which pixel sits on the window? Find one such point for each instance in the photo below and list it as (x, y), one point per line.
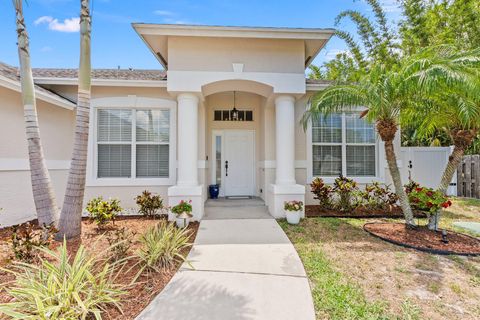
(343, 144)
(133, 143)
(226, 115)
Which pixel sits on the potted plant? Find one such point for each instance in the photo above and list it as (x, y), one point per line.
(183, 213)
(426, 200)
(293, 210)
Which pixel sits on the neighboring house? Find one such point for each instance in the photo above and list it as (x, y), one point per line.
(174, 132)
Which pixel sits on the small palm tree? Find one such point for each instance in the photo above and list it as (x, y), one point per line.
(382, 93)
(453, 107)
(71, 216)
(43, 193)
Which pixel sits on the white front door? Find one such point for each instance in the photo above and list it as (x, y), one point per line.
(239, 163)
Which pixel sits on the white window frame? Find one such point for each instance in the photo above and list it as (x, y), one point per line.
(133, 103)
(379, 173)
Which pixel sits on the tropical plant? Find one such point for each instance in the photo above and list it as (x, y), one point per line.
(346, 190)
(70, 224)
(27, 239)
(62, 288)
(322, 192)
(293, 205)
(182, 207)
(428, 200)
(375, 196)
(103, 211)
(120, 242)
(43, 193)
(162, 246)
(149, 204)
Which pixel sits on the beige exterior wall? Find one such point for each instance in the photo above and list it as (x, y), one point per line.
(258, 55)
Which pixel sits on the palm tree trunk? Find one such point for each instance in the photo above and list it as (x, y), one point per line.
(397, 182)
(43, 193)
(71, 217)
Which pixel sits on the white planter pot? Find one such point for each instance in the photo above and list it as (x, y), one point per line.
(182, 223)
(293, 217)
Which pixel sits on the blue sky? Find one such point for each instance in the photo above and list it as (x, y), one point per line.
(54, 40)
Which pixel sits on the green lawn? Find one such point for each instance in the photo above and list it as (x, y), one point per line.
(355, 276)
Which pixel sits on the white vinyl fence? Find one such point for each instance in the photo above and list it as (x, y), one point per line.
(425, 165)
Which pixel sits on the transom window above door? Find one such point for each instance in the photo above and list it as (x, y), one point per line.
(227, 115)
(343, 144)
(133, 143)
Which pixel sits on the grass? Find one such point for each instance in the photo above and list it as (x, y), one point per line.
(339, 293)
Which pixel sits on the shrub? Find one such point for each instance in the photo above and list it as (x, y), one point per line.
(26, 240)
(293, 205)
(377, 197)
(428, 200)
(103, 211)
(183, 206)
(322, 192)
(149, 204)
(62, 288)
(120, 242)
(347, 191)
(162, 246)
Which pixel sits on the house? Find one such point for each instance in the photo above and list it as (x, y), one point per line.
(226, 111)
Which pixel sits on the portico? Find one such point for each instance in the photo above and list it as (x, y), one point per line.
(265, 69)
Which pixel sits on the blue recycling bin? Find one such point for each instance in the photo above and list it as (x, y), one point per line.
(214, 189)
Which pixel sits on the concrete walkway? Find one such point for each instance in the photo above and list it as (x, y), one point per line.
(243, 269)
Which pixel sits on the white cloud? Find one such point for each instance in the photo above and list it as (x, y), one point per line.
(68, 25)
(332, 54)
(46, 49)
(390, 6)
(163, 13)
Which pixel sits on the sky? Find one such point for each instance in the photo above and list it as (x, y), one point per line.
(54, 39)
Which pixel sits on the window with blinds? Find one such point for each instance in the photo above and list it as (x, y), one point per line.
(133, 143)
(344, 144)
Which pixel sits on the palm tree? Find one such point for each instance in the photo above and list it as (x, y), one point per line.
(453, 107)
(71, 215)
(43, 193)
(382, 93)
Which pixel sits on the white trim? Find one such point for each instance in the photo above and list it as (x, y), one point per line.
(20, 164)
(316, 86)
(131, 102)
(104, 82)
(271, 164)
(44, 96)
(379, 163)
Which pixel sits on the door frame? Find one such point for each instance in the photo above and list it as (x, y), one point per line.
(213, 166)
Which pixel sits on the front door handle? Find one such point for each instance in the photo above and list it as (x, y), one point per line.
(226, 168)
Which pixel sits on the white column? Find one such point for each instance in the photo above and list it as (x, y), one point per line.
(285, 140)
(187, 142)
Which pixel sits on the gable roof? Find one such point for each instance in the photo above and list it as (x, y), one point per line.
(10, 78)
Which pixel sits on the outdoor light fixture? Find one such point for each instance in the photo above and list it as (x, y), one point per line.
(234, 111)
(444, 236)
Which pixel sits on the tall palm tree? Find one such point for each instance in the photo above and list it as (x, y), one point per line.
(71, 215)
(382, 93)
(43, 193)
(454, 106)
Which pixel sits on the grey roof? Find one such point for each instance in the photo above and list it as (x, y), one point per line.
(12, 73)
(106, 74)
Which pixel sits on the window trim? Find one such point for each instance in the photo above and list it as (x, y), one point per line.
(134, 103)
(379, 163)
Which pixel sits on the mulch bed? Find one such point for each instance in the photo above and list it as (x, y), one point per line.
(360, 212)
(423, 239)
(140, 294)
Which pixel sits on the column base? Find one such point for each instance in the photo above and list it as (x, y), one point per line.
(278, 194)
(193, 193)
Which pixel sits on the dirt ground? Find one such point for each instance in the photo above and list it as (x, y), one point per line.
(139, 295)
(440, 287)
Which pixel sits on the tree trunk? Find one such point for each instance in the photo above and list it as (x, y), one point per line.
(397, 182)
(462, 139)
(71, 216)
(43, 193)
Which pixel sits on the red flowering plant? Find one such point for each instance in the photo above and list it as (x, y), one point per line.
(183, 207)
(427, 199)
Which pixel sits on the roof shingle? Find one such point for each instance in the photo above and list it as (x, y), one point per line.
(104, 74)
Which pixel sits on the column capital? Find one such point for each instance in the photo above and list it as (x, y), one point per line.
(188, 96)
(284, 98)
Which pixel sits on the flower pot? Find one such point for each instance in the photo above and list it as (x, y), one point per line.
(293, 217)
(182, 222)
(214, 189)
